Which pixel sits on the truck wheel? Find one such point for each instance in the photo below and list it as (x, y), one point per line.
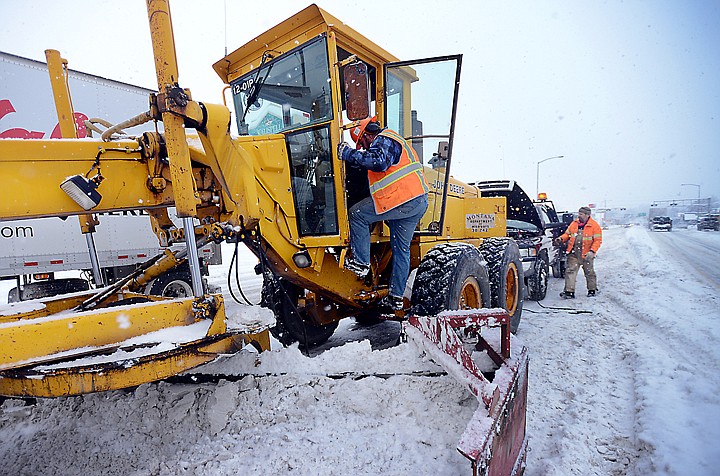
(558, 268)
(174, 285)
(506, 283)
(538, 282)
(451, 276)
(291, 327)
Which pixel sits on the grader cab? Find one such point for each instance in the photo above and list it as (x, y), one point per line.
(310, 79)
(280, 189)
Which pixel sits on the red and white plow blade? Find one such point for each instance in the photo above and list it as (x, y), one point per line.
(494, 440)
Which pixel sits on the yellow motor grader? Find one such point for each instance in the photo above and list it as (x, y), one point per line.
(279, 188)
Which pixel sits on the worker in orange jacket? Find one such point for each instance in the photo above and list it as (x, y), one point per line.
(583, 237)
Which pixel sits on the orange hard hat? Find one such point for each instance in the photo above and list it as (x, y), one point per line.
(357, 132)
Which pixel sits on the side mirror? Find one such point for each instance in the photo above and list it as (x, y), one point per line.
(357, 90)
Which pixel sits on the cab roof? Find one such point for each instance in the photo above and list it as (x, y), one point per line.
(291, 33)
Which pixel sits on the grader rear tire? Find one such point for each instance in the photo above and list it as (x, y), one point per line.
(451, 276)
(506, 282)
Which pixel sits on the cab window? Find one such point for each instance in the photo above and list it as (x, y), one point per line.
(285, 93)
(313, 188)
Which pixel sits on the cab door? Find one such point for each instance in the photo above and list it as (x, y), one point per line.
(421, 104)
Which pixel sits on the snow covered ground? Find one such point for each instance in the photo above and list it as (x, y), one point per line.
(629, 387)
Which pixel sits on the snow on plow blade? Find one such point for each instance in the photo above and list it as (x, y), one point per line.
(494, 440)
(49, 348)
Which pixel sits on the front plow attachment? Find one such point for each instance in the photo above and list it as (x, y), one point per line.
(494, 440)
(50, 348)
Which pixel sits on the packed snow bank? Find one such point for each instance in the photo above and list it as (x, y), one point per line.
(288, 417)
(630, 387)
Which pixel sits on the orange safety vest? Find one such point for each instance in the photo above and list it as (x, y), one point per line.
(401, 182)
(591, 236)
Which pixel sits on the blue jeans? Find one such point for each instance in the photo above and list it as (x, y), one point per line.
(402, 221)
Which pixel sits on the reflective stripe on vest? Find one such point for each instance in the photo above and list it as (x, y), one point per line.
(396, 175)
(401, 182)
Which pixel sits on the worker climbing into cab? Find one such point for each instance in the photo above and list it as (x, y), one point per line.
(398, 195)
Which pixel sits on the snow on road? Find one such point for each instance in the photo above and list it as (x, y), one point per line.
(633, 387)
(629, 387)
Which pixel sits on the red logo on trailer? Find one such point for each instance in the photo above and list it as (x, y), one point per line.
(6, 108)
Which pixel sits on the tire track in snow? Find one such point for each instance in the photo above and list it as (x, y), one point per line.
(670, 318)
(667, 322)
(696, 252)
(581, 405)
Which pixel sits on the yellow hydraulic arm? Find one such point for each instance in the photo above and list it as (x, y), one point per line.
(114, 338)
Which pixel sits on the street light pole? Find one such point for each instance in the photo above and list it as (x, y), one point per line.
(537, 177)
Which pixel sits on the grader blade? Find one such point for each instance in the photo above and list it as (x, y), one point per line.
(48, 348)
(494, 440)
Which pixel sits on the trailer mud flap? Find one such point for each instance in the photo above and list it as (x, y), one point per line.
(495, 439)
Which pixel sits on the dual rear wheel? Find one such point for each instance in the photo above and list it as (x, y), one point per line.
(451, 276)
(458, 276)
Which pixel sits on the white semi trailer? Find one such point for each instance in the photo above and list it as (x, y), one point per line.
(33, 251)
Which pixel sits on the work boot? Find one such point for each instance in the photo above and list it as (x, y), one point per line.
(567, 295)
(591, 293)
(393, 303)
(361, 270)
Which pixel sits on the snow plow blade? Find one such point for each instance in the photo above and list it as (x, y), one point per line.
(49, 348)
(494, 440)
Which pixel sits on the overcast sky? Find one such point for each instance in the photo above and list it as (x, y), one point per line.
(627, 91)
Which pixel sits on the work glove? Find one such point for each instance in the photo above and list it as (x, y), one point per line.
(557, 242)
(343, 148)
(590, 255)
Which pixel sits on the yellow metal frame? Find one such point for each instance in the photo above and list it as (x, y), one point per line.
(33, 336)
(50, 335)
(237, 186)
(123, 374)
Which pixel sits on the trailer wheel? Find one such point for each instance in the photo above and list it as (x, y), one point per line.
(282, 298)
(506, 283)
(538, 282)
(174, 285)
(451, 276)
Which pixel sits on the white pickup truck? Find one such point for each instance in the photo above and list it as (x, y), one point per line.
(32, 251)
